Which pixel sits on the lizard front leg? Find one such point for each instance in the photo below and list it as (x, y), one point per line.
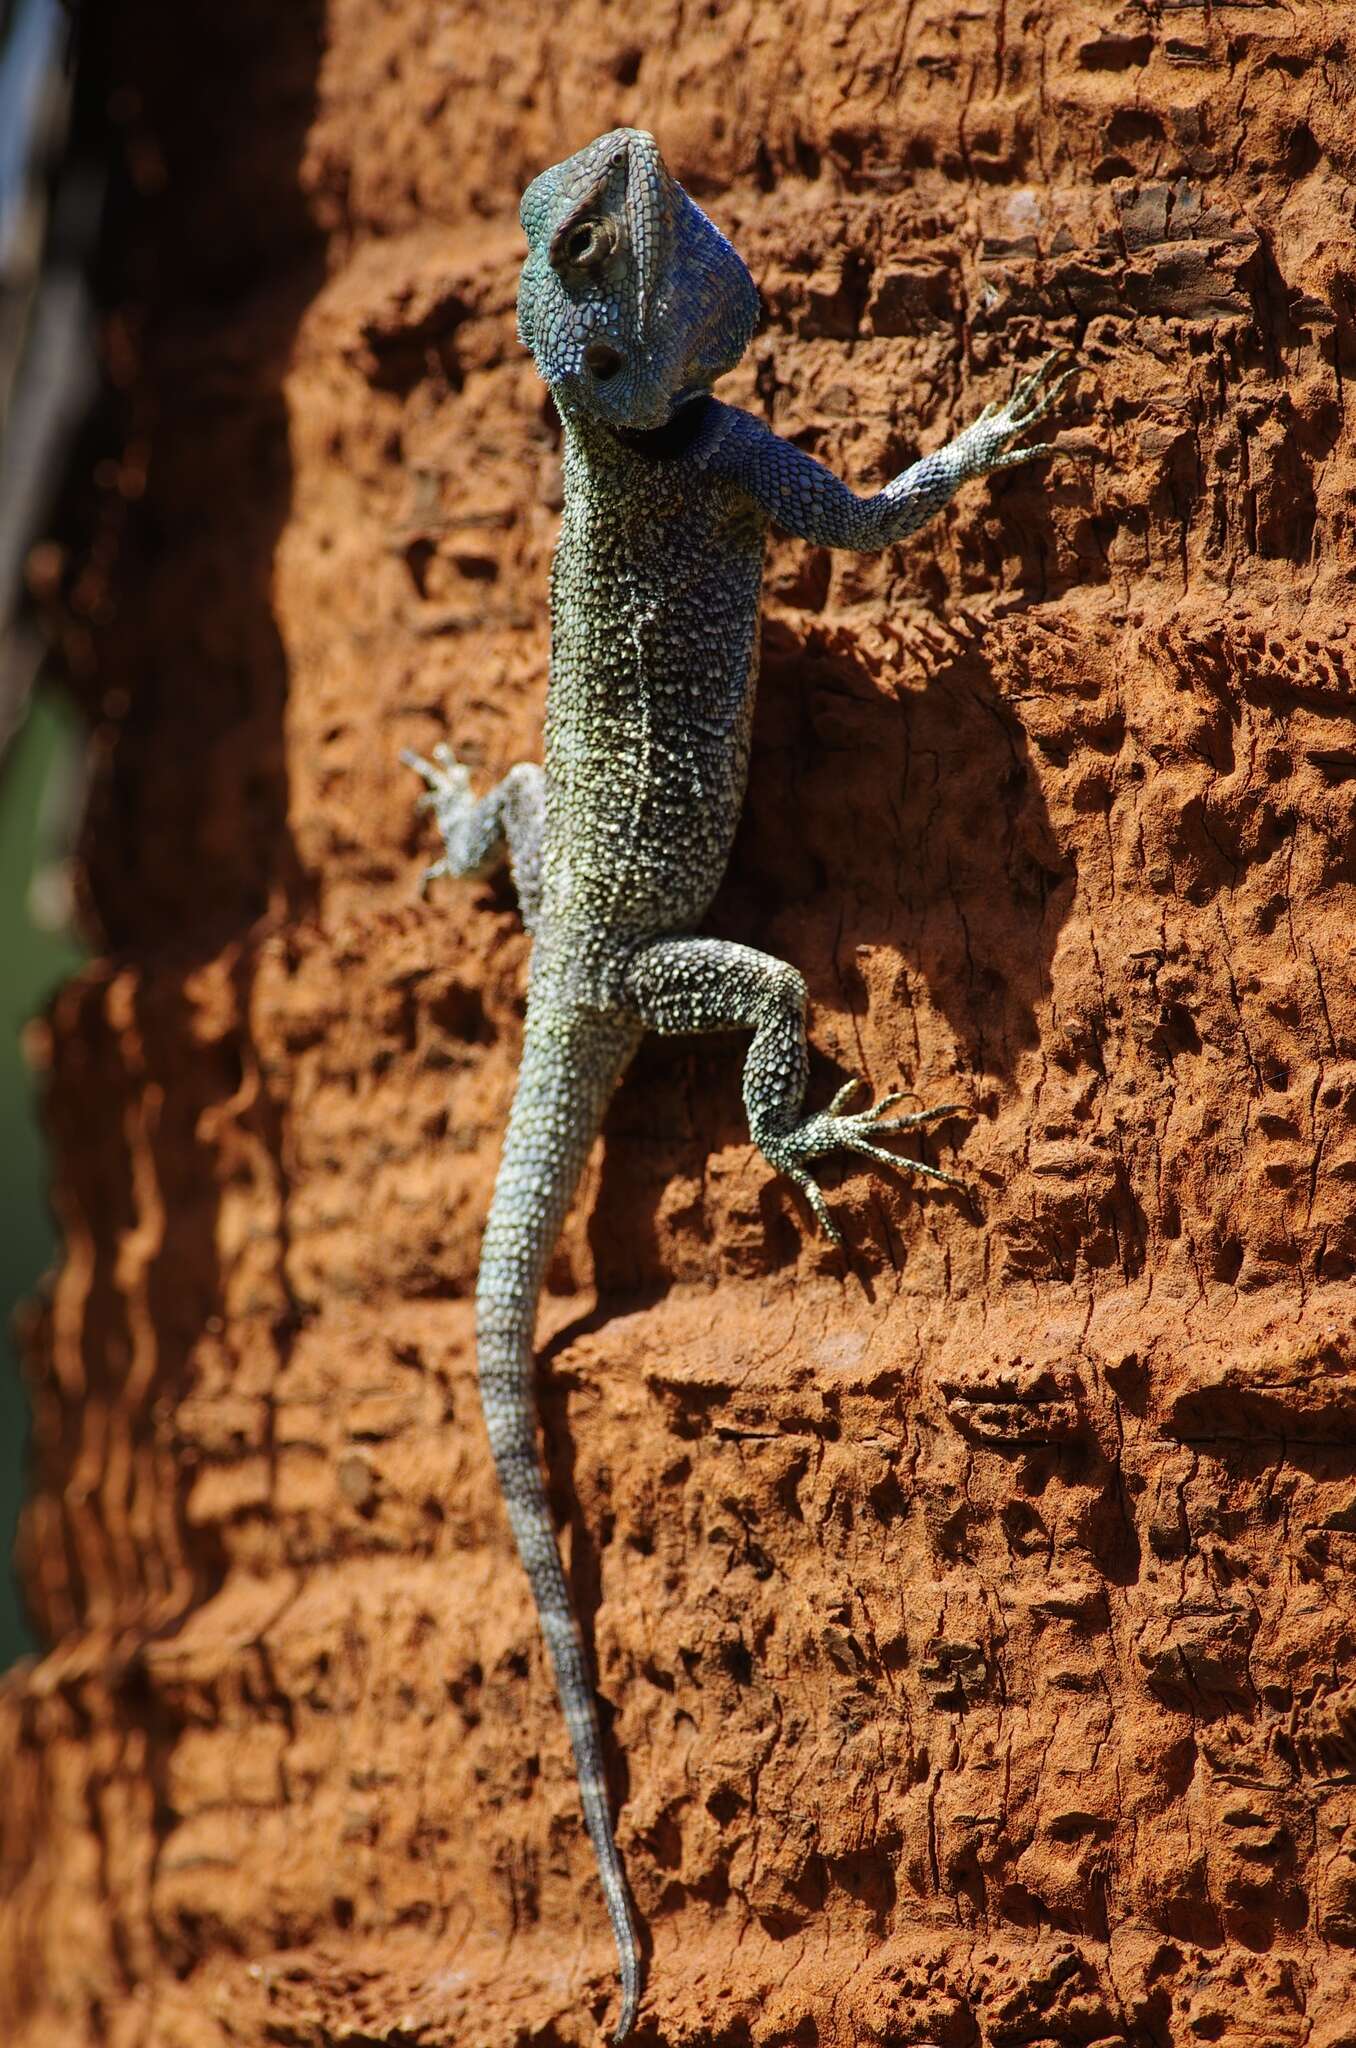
(716, 985)
(479, 832)
(806, 499)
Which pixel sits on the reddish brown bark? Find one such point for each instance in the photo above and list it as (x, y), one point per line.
(976, 1616)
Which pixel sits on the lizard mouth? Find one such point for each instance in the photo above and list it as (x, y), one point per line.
(602, 360)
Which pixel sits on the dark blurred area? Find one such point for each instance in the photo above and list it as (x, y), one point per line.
(51, 196)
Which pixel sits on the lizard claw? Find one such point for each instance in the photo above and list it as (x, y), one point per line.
(884, 1158)
(448, 781)
(1012, 457)
(916, 1116)
(446, 795)
(838, 1130)
(987, 443)
(814, 1195)
(1036, 395)
(1025, 406)
(444, 771)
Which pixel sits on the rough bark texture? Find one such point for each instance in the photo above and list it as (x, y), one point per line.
(975, 1614)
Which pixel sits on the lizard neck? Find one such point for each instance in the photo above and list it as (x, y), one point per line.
(612, 450)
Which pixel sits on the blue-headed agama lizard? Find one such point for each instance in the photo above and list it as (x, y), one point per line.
(632, 304)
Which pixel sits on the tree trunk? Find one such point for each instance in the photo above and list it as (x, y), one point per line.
(973, 1614)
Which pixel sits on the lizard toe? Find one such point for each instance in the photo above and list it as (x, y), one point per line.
(865, 1150)
(920, 1116)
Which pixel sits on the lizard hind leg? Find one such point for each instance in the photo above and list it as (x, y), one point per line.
(715, 985)
(813, 1137)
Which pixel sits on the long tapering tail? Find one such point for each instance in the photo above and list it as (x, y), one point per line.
(571, 1063)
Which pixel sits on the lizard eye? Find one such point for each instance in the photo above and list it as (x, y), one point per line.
(587, 244)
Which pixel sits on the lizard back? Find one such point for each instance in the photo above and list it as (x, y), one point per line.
(654, 595)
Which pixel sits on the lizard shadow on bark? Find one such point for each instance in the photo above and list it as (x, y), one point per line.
(896, 843)
(562, 1433)
(559, 1389)
(896, 849)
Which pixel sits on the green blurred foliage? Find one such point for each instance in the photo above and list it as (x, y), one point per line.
(32, 963)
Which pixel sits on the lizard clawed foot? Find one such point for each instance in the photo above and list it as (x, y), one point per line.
(835, 1130)
(1003, 420)
(447, 796)
(447, 780)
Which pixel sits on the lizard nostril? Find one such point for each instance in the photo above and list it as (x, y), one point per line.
(602, 359)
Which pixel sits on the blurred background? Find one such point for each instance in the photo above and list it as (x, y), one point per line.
(36, 953)
(50, 198)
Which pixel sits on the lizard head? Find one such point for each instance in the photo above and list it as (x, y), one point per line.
(631, 301)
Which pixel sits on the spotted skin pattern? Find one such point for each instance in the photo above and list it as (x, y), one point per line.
(632, 303)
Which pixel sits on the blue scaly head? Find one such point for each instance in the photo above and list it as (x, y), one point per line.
(631, 301)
